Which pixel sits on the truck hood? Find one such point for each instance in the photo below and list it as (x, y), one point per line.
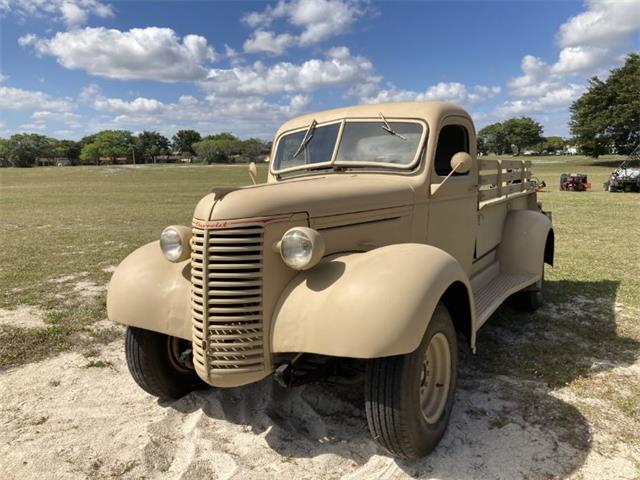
(317, 196)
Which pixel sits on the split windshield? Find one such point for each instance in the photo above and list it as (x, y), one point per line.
(379, 143)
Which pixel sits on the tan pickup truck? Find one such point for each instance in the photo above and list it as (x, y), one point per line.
(379, 239)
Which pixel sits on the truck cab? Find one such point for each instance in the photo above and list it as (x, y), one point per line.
(379, 236)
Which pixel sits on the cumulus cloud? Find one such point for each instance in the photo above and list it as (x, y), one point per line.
(338, 68)
(316, 20)
(73, 13)
(554, 99)
(605, 23)
(139, 105)
(446, 91)
(581, 59)
(268, 42)
(590, 42)
(253, 115)
(27, 100)
(150, 53)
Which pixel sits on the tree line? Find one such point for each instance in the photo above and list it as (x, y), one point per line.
(514, 136)
(111, 146)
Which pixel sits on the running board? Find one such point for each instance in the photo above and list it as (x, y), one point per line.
(491, 295)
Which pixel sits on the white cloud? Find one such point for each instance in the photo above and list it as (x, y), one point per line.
(591, 42)
(73, 13)
(317, 20)
(138, 106)
(3, 77)
(89, 93)
(554, 99)
(605, 23)
(581, 59)
(27, 100)
(339, 68)
(268, 42)
(535, 78)
(253, 115)
(150, 53)
(447, 91)
(68, 119)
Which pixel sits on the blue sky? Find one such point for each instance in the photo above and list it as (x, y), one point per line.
(72, 67)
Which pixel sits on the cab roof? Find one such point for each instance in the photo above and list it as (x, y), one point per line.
(430, 112)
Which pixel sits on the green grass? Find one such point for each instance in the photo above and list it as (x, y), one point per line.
(60, 226)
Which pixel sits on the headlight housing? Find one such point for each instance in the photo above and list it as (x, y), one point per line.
(301, 248)
(175, 243)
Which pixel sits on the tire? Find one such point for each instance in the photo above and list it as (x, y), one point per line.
(531, 298)
(155, 365)
(394, 387)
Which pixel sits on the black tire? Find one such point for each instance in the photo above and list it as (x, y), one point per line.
(154, 366)
(531, 298)
(393, 391)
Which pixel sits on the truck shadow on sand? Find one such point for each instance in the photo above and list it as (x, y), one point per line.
(508, 419)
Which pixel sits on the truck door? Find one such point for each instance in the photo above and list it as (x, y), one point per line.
(453, 204)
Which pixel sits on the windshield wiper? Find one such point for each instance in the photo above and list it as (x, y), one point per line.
(387, 128)
(307, 138)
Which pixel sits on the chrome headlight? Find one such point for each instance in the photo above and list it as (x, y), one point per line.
(175, 243)
(301, 248)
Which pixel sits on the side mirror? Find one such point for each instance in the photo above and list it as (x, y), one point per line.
(253, 172)
(461, 162)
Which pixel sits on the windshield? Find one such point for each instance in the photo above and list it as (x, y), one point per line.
(370, 142)
(318, 148)
(378, 143)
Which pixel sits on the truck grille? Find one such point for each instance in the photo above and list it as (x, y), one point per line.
(226, 300)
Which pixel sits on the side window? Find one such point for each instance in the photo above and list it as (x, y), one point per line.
(452, 139)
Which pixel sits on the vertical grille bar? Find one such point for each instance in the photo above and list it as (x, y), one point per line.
(226, 299)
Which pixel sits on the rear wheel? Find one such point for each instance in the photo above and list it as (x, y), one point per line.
(408, 398)
(160, 364)
(531, 298)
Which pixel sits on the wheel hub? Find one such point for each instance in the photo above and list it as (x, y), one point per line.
(435, 378)
(179, 351)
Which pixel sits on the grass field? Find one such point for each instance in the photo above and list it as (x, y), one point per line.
(62, 231)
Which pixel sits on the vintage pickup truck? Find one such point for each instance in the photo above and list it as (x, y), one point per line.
(379, 238)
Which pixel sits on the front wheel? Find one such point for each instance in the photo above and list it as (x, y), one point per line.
(408, 398)
(160, 364)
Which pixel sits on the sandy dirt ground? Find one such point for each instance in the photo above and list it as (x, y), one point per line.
(64, 419)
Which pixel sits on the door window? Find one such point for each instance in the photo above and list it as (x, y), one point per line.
(452, 139)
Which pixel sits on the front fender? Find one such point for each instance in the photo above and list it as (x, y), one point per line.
(150, 292)
(365, 305)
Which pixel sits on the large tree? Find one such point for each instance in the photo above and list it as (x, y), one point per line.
(183, 141)
(607, 116)
(219, 148)
(492, 139)
(522, 132)
(90, 154)
(66, 149)
(252, 148)
(114, 143)
(23, 149)
(149, 145)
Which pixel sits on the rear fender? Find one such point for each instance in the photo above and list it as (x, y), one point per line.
(150, 292)
(527, 242)
(368, 305)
